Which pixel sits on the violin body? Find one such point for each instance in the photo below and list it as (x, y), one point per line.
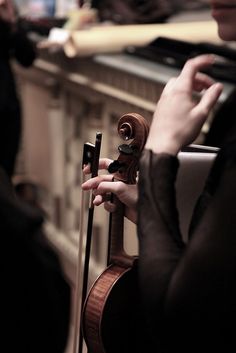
(112, 320)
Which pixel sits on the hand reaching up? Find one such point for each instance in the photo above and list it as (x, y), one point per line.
(178, 118)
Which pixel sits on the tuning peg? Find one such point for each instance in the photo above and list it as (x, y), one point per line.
(115, 166)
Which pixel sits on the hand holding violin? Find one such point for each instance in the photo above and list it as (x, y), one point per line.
(103, 186)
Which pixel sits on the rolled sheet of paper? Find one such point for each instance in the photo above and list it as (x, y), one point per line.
(115, 38)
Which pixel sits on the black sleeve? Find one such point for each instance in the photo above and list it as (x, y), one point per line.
(160, 241)
(22, 48)
(35, 305)
(191, 290)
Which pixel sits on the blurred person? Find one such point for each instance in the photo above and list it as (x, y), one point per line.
(35, 301)
(14, 45)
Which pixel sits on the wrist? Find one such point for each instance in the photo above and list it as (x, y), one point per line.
(163, 146)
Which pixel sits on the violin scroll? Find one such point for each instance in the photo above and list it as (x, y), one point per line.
(131, 126)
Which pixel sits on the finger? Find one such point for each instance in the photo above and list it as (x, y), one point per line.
(110, 207)
(100, 198)
(103, 165)
(86, 169)
(110, 187)
(208, 100)
(191, 67)
(94, 182)
(202, 81)
(170, 84)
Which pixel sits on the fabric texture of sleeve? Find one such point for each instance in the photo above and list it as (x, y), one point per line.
(160, 241)
(191, 291)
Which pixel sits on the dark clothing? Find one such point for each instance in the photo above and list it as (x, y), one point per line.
(133, 11)
(14, 44)
(35, 301)
(222, 129)
(188, 291)
(143, 11)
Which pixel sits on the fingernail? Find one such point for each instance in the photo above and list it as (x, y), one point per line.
(212, 57)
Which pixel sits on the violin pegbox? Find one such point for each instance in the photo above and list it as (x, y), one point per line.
(134, 127)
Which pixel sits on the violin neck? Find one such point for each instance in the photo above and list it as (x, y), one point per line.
(116, 252)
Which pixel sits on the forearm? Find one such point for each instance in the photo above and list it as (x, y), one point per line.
(208, 264)
(160, 242)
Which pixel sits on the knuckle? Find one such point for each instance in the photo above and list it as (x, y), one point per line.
(204, 112)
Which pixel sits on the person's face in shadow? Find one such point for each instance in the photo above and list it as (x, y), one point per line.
(224, 13)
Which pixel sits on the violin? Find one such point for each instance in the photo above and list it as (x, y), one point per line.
(112, 320)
